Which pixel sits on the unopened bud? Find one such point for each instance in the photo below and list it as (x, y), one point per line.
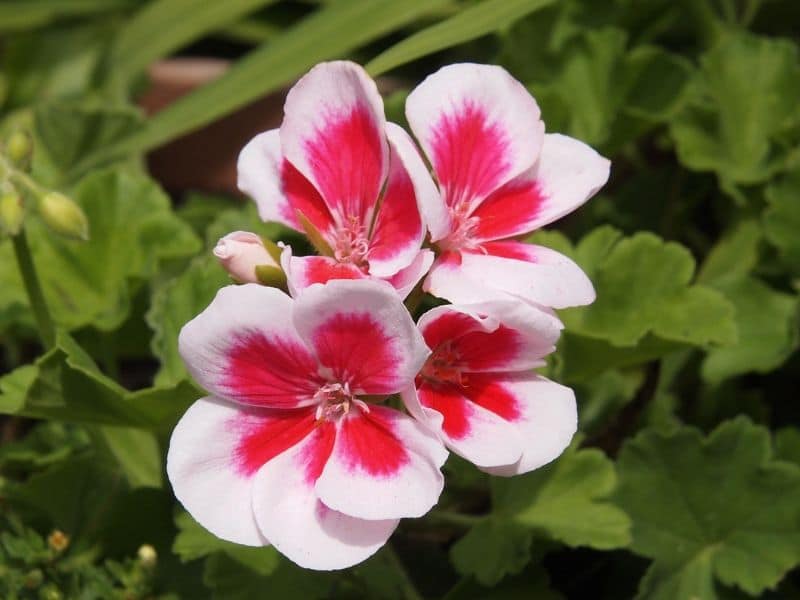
(147, 556)
(240, 253)
(19, 147)
(12, 212)
(58, 540)
(64, 216)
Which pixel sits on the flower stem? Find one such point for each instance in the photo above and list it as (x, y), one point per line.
(409, 589)
(33, 288)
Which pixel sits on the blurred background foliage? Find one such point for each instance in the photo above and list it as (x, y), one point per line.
(685, 480)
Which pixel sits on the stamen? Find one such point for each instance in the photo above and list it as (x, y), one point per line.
(462, 227)
(352, 245)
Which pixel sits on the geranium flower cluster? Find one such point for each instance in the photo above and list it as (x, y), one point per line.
(330, 412)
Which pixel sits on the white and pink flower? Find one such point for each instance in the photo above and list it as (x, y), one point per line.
(500, 176)
(336, 164)
(291, 447)
(478, 391)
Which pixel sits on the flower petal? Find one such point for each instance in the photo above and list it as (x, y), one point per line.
(333, 131)
(384, 465)
(479, 127)
(547, 420)
(298, 524)
(278, 188)
(532, 273)
(303, 271)
(244, 347)
(362, 334)
(399, 231)
(501, 335)
(567, 174)
(405, 280)
(206, 475)
(468, 429)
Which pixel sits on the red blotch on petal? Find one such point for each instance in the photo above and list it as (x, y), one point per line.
(303, 197)
(271, 372)
(515, 250)
(488, 350)
(507, 211)
(447, 400)
(469, 154)
(359, 351)
(318, 450)
(264, 435)
(447, 327)
(347, 159)
(484, 390)
(367, 443)
(320, 269)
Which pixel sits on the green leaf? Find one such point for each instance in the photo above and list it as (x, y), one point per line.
(90, 283)
(27, 14)
(748, 93)
(65, 385)
(164, 26)
(193, 542)
(331, 31)
(176, 303)
(735, 255)
(470, 23)
(782, 219)
(767, 322)
(532, 583)
(544, 502)
(644, 286)
(491, 550)
(787, 444)
(66, 132)
(137, 453)
(714, 508)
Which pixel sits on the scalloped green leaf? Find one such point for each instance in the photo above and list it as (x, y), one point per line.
(718, 508)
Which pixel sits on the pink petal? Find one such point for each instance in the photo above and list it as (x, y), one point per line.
(468, 429)
(398, 232)
(501, 335)
(531, 273)
(277, 187)
(240, 252)
(479, 127)
(362, 334)
(303, 271)
(567, 174)
(384, 465)
(244, 347)
(298, 524)
(405, 281)
(546, 422)
(206, 475)
(334, 133)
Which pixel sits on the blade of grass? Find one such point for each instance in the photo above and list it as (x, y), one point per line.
(466, 25)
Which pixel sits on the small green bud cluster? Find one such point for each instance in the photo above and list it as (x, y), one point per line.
(59, 212)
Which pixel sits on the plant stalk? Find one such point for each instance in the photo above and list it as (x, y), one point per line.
(33, 288)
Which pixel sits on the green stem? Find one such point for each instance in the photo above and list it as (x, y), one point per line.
(409, 589)
(34, 289)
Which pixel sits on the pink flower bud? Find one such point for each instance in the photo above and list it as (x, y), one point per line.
(240, 252)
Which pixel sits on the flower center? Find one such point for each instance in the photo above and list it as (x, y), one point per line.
(462, 227)
(442, 366)
(352, 245)
(335, 400)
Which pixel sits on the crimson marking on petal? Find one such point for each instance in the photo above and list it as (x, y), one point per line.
(271, 372)
(507, 211)
(346, 156)
(320, 270)
(264, 435)
(447, 327)
(515, 250)
(368, 443)
(469, 154)
(303, 197)
(448, 400)
(358, 350)
(489, 350)
(399, 222)
(483, 389)
(450, 258)
(318, 450)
